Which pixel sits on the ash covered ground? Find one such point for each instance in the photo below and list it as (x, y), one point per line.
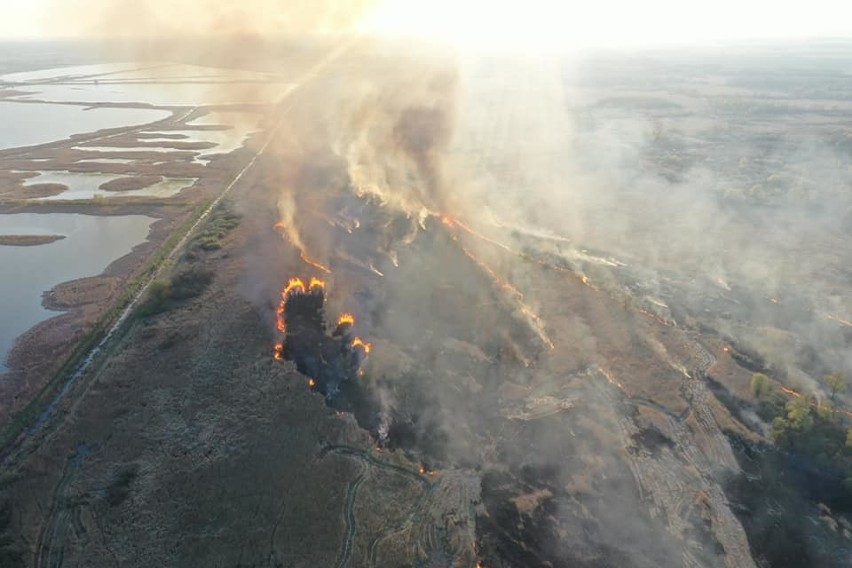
(566, 272)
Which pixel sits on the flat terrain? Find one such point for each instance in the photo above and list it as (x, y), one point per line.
(563, 334)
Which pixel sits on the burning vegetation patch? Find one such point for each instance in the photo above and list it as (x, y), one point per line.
(328, 356)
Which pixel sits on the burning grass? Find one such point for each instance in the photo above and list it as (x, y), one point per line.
(328, 360)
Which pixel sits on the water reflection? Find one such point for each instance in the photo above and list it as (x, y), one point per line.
(27, 124)
(91, 244)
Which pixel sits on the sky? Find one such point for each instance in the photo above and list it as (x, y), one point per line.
(553, 24)
(530, 24)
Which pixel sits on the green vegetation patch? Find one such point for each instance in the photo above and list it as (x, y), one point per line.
(191, 282)
(163, 295)
(221, 221)
(815, 429)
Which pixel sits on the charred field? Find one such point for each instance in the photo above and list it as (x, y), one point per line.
(448, 321)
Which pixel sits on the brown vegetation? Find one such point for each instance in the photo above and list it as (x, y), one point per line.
(130, 183)
(37, 190)
(28, 240)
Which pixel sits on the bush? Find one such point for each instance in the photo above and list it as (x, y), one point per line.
(220, 223)
(190, 283)
(760, 385)
(157, 300)
(164, 295)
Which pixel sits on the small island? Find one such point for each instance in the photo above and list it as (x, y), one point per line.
(130, 183)
(28, 240)
(39, 190)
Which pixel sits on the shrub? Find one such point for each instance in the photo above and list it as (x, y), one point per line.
(119, 486)
(157, 300)
(164, 295)
(760, 385)
(190, 283)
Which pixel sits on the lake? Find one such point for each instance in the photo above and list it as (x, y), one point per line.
(91, 244)
(31, 124)
(161, 84)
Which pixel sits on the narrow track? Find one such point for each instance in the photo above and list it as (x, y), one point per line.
(50, 550)
(349, 519)
(369, 459)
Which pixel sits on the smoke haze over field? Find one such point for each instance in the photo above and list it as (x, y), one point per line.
(459, 203)
(468, 196)
(548, 253)
(176, 19)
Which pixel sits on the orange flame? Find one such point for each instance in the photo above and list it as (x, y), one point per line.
(503, 284)
(773, 300)
(493, 275)
(281, 226)
(453, 222)
(791, 392)
(726, 349)
(538, 324)
(294, 284)
(653, 316)
(795, 394)
(297, 286)
(279, 318)
(314, 263)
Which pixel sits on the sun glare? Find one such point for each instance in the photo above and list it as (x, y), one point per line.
(548, 25)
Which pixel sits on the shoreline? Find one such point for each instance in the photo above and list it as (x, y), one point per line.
(40, 351)
(87, 306)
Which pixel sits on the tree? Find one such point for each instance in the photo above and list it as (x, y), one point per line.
(836, 384)
(825, 410)
(780, 429)
(760, 385)
(799, 413)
